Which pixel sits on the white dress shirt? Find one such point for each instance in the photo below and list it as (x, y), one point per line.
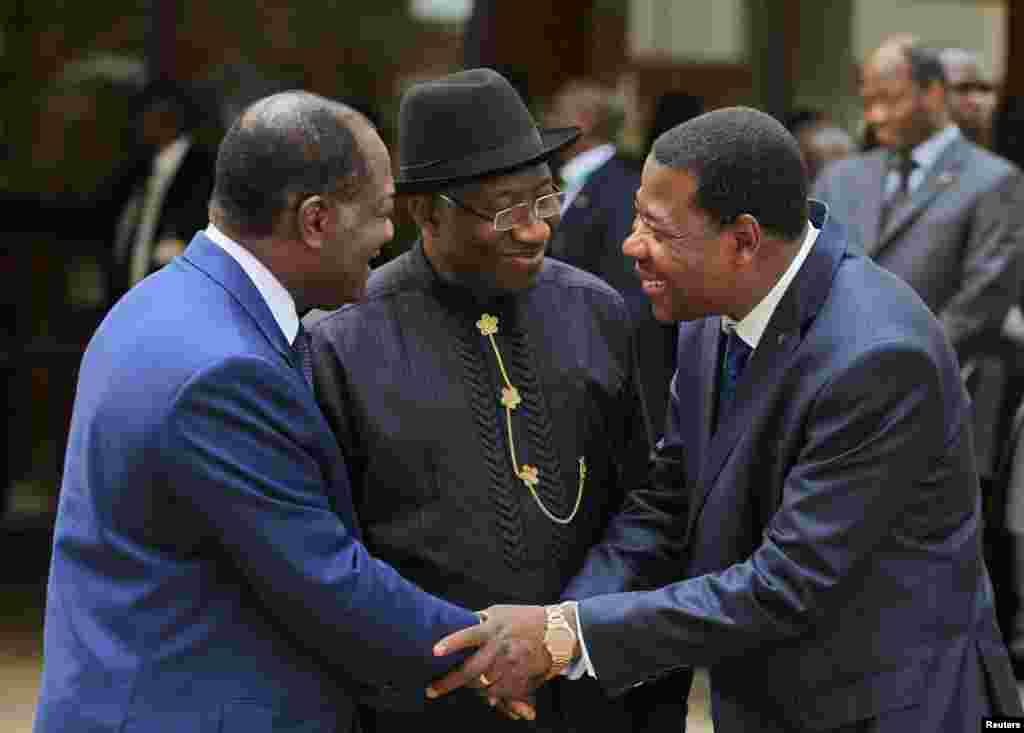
(278, 299)
(750, 330)
(576, 172)
(165, 166)
(924, 155)
(753, 325)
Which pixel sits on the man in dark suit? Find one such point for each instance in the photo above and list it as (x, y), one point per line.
(827, 502)
(596, 219)
(207, 572)
(928, 205)
(170, 192)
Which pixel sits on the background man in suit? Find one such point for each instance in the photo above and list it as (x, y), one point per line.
(929, 205)
(484, 395)
(596, 219)
(171, 191)
(972, 98)
(207, 570)
(832, 576)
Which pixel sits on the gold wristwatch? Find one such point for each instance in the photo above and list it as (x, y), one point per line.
(559, 639)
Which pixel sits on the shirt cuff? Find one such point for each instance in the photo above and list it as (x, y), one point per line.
(581, 666)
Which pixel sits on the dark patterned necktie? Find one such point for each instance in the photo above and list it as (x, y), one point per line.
(304, 354)
(737, 352)
(903, 163)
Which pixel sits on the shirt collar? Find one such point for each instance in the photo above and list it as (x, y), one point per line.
(929, 151)
(169, 157)
(753, 325)
(576, 172)
(278, 299)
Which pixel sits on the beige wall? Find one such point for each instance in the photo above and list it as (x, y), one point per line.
(978, 25)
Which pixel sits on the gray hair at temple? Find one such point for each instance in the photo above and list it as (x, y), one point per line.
(744, 162)
(289, 144)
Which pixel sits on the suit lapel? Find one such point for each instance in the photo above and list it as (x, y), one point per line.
(942, 176)
(770, 359)
(221, 267)
(708, 385)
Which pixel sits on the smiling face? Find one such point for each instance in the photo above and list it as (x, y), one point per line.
(465, 248)
(686, 267)
(355, 229)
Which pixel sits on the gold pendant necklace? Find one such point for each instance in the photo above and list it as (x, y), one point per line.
(510, 400)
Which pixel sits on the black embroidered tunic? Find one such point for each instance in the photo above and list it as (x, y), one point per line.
(413, 389)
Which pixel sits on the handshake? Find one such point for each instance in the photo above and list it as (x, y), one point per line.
(519, 648)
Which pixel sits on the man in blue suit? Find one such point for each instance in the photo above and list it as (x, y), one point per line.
(822, 553)
(207, 570)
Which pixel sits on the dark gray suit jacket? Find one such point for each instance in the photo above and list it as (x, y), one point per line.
(831, 576)
(956, 241)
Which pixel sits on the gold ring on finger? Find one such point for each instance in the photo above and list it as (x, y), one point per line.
(485, 681)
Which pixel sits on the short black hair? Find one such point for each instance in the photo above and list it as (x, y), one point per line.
(744, 162)
(178, 96)
(290, 143)
(925, 65)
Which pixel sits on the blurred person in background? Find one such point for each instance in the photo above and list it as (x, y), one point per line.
(821, 140)
(172, 187)
(971, 98)
(929, 205)
(485, 396)
(1006, 525)
(670, 109)
(596, 219)
(822, 144)
(149, 204)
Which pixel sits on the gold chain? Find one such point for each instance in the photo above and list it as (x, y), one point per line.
(510, 399)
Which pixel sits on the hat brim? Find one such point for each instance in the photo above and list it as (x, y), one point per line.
(493, 163)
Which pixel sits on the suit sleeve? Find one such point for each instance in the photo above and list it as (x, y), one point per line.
(236, 444)
(990, 278)
(868, 440)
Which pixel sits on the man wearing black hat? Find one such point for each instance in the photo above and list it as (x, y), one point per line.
(484, 396)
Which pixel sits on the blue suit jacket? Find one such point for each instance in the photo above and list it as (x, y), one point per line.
(207, 572)
(825, 541)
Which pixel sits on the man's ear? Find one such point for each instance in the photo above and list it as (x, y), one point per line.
(424, 210)
(312, 220)
(747, 233)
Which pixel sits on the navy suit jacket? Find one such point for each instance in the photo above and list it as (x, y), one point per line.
(825, 540)
(207, 572)
(590, 236)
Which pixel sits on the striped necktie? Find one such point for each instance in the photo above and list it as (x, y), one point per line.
(737, 352)
(304, 354)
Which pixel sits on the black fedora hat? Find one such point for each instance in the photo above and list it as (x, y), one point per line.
(468, 125)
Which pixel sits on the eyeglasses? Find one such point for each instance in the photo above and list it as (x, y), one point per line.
(519, 215)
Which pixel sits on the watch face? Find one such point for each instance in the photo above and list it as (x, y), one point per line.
(561, 641)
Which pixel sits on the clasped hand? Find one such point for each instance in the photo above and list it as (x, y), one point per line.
(510, 663)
